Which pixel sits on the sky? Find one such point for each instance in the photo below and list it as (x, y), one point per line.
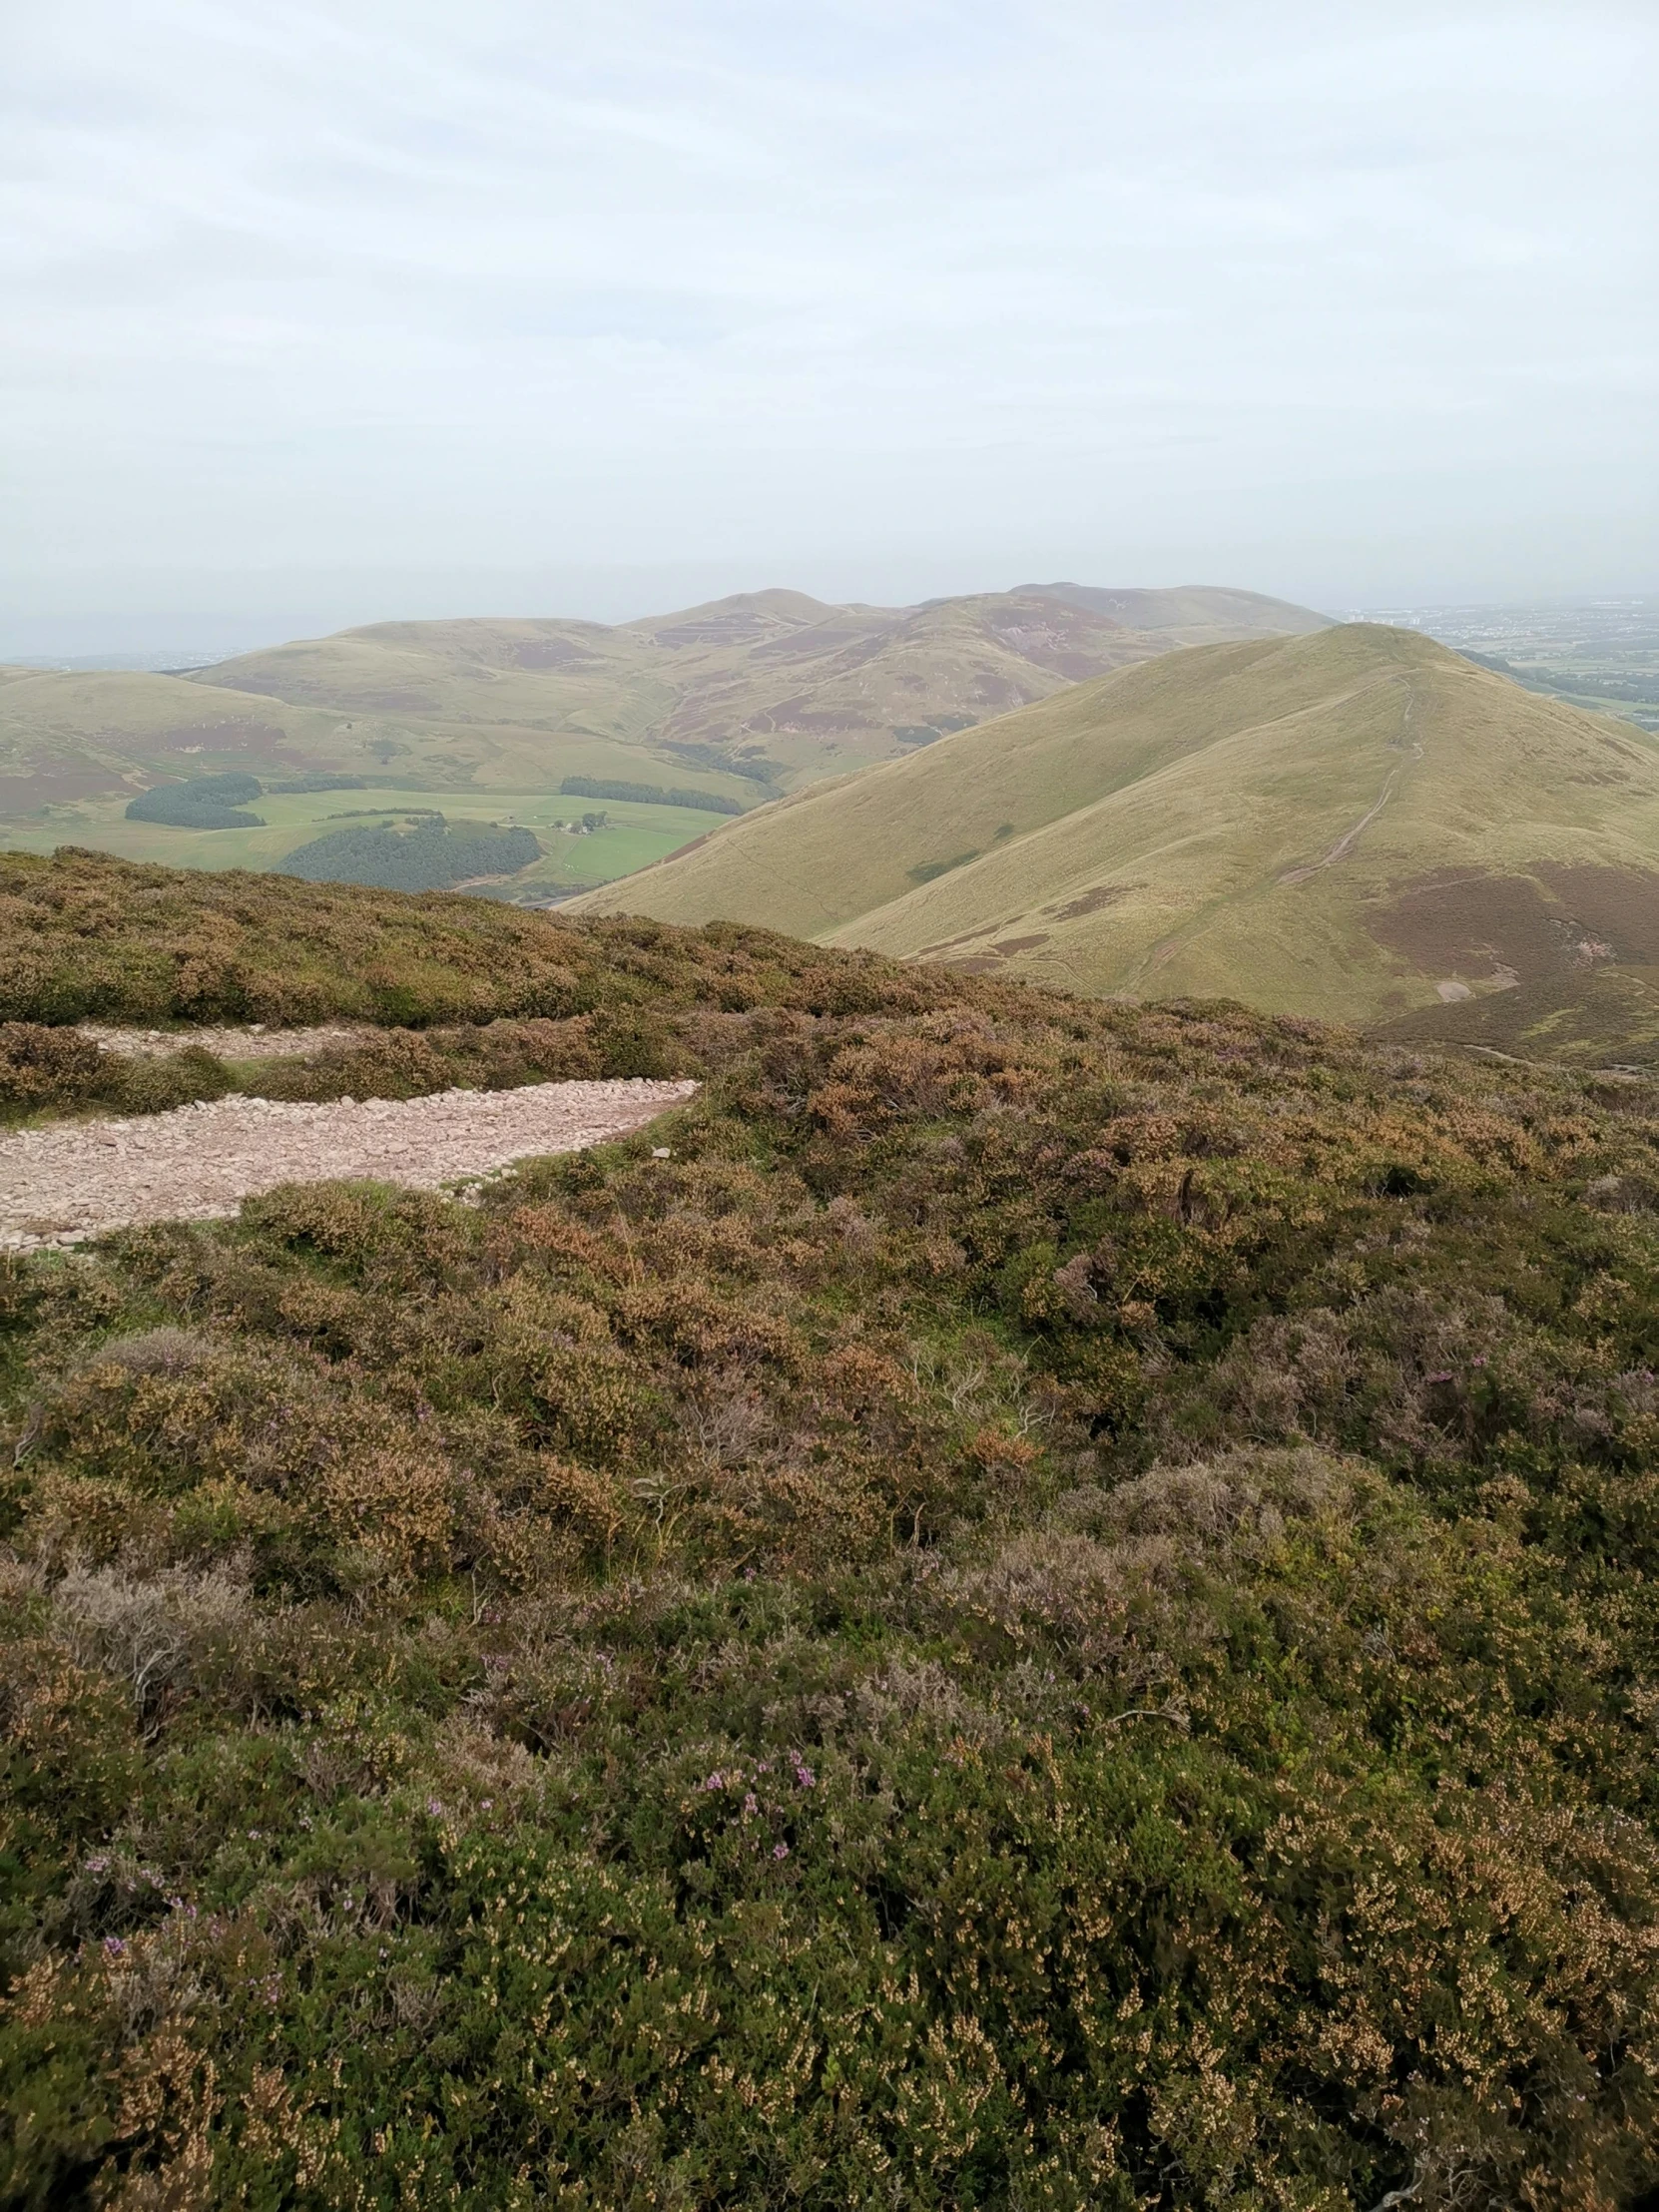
(319, 314)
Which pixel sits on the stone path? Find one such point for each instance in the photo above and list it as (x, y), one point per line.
(76, 1179)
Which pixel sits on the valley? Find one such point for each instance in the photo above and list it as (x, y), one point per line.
(743, 700)
(1358, 825)
(1600, 654)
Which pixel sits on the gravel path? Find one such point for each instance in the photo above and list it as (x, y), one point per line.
(76, 1179)
(255, 1043)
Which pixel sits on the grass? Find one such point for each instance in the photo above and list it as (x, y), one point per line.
(817, 689)
(1247, 819)
(1053, 1609)
(633, 835)
(775, 685)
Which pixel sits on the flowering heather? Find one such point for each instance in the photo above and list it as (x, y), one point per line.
(1056, 1608)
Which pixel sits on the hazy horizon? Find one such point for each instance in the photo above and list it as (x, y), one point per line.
(186, 642)
(317, 319)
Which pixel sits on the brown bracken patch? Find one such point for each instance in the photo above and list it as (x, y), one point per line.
(1551, 920)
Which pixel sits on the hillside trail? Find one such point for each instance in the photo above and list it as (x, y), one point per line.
(252, 1043)
(1165, 948)
(1345, 844)
(70, 1180)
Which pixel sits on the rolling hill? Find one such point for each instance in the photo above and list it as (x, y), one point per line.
(739, 700)
(775, 683)
(1350, 824)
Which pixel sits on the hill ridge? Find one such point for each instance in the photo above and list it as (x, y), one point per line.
(1238, 819)
(742, 698)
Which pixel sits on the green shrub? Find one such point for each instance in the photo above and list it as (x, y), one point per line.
(1055, 1609)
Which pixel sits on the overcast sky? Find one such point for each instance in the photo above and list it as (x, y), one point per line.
(315, 314)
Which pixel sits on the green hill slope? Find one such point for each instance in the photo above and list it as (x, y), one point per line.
(743, 699)
(771, 677)
(1028, 1603)
(1347, 825)
(1193, 614)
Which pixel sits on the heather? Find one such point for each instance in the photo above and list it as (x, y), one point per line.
(1052, 1610)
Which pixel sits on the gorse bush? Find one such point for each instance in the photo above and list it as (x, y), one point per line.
(1055, 1609)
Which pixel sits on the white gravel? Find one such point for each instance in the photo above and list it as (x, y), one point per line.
(76, 1179)
(252, 1043)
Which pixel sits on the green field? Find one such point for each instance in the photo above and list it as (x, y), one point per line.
(743, 698)
(633, 835)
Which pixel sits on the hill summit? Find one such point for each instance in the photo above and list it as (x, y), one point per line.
(1348, 825)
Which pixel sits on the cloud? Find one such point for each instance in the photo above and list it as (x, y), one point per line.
(641, 283)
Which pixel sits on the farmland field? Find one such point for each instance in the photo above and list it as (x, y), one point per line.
(633, 836)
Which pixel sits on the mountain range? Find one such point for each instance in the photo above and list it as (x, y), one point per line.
(752, 695)
(1354, 825)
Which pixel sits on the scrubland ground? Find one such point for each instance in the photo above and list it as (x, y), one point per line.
(1054, 1610)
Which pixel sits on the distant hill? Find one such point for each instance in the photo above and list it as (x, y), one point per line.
(771, 683)
(1353, 823)
(738, 701)
(1192, 614)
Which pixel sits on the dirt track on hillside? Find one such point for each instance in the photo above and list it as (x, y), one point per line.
(72, 1180)
(251, 1043)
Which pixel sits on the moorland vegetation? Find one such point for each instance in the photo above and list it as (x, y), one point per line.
(1028, 1603)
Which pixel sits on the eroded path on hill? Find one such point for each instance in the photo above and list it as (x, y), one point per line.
(75, 1179)
(1345, 844)
(252, 1043)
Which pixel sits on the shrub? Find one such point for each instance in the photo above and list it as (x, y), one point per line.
(43, 1068)
(1053, 1609)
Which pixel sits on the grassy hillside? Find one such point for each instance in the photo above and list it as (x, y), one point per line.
(740, 699)
(1347, 825)
(1193, 614)
(772, 677)
(633, 836)
(1053, 1609)
(70, 740)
